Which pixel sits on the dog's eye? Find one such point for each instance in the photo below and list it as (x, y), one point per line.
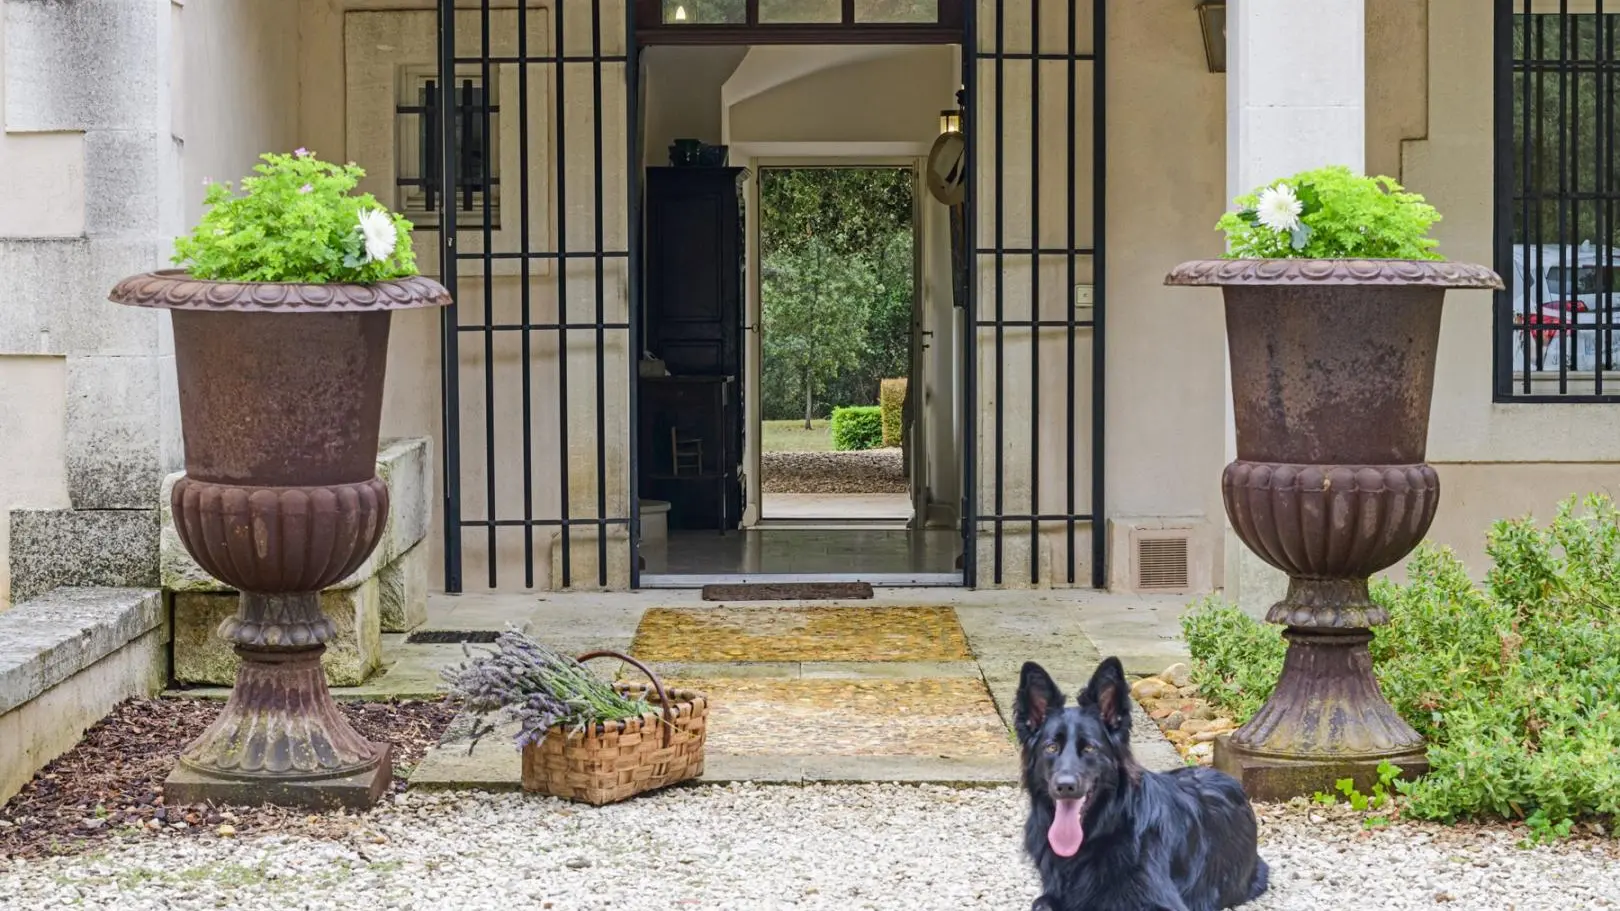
(1089, 748)
(1052, 747)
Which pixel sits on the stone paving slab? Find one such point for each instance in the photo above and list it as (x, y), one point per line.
(830, 633)
(1067, 633)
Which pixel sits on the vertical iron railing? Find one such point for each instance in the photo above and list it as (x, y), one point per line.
(1555, 200)
(491, 64)
(995, 253)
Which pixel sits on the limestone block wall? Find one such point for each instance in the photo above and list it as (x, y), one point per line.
(113, 113)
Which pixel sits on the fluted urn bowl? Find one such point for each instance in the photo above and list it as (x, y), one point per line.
(1332, 375)
(281, 389)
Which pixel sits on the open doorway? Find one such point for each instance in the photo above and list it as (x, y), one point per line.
(838, 320)
(802, 329)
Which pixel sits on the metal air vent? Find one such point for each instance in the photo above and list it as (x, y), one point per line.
(1161, 562)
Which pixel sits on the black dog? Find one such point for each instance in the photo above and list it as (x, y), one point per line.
(1108, 835)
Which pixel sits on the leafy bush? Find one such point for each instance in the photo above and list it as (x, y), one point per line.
(297, 221)
(1331, 213)
(1516, 684)
(857, 427)
(892, 403)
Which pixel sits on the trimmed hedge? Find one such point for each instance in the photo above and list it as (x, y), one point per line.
(892, 402)
(857, 427)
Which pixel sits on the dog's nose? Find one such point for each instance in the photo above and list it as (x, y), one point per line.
(1066, 786)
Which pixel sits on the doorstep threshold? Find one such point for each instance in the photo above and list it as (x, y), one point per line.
(876, 580)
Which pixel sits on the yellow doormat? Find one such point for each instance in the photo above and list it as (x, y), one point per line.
(756, 634)
(951, 718)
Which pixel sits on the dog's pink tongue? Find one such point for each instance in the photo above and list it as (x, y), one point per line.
(1067, 833)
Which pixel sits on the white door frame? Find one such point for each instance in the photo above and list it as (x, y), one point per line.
(836, 155)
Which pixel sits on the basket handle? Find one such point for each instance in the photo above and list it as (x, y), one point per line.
(658, 685)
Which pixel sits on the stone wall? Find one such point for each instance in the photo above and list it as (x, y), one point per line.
(387, 594)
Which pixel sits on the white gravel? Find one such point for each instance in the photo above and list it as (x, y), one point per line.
(740, 847)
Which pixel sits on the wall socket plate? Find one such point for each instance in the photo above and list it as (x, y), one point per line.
(1083, 298)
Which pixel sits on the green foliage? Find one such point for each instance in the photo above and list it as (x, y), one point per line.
(1383, 791)
(892, 403)
(857, 427)
(837, 279)
(297, 221)
(1340, 215)
(1516, 684)
(1236, 660)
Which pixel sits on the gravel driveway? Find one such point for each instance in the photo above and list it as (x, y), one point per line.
(741, 847)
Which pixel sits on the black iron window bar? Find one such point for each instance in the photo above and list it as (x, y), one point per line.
(997, 320)
(469, 177)
(473, 121)
(1557, 324)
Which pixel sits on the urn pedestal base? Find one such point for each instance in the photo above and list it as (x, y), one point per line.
(359, 791)
(280, 738)
(1325, 721)
(1274, 780)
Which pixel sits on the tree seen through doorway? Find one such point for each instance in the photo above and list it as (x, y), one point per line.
(836, 275)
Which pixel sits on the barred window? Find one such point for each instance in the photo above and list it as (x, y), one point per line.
(1557, 203)
(476, 122)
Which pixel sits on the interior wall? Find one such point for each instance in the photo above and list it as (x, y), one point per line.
(683, 96)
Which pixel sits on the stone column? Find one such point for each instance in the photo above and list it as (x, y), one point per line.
(1296, 80)
(92, 81)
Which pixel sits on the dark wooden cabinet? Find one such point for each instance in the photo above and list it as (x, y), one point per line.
(693, 294)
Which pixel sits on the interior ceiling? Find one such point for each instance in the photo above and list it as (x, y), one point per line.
(766, 67)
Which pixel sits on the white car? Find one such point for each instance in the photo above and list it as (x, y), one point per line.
(1570, 299)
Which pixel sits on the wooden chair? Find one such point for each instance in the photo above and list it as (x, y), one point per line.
(687, 452)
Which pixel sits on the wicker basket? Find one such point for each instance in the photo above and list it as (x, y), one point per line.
(618, 760)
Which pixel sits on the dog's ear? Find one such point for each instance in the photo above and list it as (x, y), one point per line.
(1112, 697)
(1038, 696)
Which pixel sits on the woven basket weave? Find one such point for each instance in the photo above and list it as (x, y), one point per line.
(618, 760)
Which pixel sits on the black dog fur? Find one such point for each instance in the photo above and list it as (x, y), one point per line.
(1178, 841)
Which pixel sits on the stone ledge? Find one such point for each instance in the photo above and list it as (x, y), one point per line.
(53, 548)
(407, 468)
(45, 641)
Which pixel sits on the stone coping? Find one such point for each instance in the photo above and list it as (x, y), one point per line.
(47, 640)
(405, 465)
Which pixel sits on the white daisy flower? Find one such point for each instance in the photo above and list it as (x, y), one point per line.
(377, 229)
(1279, 209)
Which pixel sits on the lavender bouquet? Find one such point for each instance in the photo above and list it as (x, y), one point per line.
(526, 681)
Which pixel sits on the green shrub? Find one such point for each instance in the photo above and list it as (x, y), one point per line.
(1330, 213)
(1516, 684)
(857, 427)
(297, 221)
(892, 402)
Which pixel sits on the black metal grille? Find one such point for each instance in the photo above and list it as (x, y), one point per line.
(1556, 328)
(1033, 244)
(536, 290)
(474, 126)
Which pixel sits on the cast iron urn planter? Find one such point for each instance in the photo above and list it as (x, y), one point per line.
(1332, 371)
(281, 389)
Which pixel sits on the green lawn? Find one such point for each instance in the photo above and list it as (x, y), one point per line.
(790, 436)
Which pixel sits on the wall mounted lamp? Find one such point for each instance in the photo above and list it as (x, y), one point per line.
(1212, 19)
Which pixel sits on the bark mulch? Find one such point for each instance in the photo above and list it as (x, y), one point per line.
(109, 788)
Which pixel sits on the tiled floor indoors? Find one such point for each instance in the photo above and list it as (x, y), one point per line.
(890, 506)
(848, 550)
